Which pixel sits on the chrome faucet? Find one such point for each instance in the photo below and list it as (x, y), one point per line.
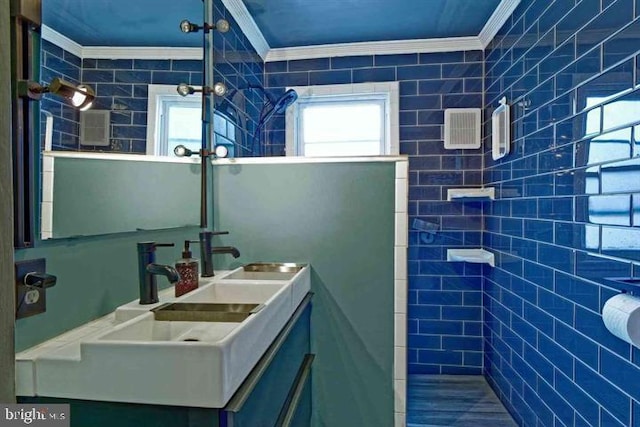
(207, 251)
(148, 270)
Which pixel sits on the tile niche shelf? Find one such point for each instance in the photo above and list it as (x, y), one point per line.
(478, 256)
(471, 194)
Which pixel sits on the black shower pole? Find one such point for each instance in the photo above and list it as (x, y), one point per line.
(204, 152)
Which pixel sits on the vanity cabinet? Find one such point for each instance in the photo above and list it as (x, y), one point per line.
(268, 402)
(278, 388)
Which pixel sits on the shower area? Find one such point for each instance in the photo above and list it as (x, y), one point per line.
(244, 116)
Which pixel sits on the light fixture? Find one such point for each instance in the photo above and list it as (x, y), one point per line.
(80, 97)
(182, 151)
(221, 151)
(221, 25)
(219, 89)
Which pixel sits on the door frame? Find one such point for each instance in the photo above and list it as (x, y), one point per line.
(7, 294)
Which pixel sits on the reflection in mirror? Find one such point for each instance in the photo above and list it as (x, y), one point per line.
(78, 34)
(121, 49)
(86, 194)
(172, 120)
(125, 50)
(611, 178)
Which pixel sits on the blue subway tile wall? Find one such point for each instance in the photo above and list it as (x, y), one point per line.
(57, 62)
(566, 216)
(121, 87)
(238, 65)
(445, 299)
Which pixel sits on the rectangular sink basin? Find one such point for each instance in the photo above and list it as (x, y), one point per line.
(214, 292)
(233, 292)
(148, 330)
(205, 312)
(266, 271)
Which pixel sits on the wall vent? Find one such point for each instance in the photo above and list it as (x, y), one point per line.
(94, 127)
(462, 128)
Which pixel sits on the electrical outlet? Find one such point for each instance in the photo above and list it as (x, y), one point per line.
(31, 297)
(29, 300)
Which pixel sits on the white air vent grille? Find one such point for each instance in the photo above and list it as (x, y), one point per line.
(461, 128)
(94, 127)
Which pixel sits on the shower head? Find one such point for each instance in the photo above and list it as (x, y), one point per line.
(279, 106)
(285, 101)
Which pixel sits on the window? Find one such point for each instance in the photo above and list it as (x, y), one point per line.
(172, 120)
(344, 120)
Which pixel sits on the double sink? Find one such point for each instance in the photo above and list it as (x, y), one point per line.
(195, 350)
(228, 312)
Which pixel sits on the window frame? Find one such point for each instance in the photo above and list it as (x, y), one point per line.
(386, 92)
(160, 97)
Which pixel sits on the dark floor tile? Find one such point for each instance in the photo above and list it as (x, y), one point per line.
(455, 401)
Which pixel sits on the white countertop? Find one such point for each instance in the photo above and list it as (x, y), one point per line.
(84, 363)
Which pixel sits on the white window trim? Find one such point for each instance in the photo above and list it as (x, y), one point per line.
(158, 93)
(389, 89)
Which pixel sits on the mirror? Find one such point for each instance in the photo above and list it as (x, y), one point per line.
(120, 49)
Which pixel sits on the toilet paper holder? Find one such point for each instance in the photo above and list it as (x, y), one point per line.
(621, 317)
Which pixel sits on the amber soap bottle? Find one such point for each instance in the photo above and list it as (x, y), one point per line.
(187, 267)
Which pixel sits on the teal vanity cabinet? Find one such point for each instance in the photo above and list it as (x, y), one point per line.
(281, 396)
(276, 393)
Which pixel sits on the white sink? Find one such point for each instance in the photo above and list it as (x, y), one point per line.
(234, 292)
(198, 364)
(145, 329)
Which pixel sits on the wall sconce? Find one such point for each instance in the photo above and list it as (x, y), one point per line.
(221, 25)
(80, 97)
(182, 151)
(219, 89)
(220, 151)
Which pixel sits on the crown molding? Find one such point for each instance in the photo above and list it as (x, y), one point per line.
(496, 21)
(64, 42)
(125, 52)
(248, 26)
(450, 44)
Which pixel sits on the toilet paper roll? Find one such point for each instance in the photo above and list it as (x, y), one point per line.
(621, 316)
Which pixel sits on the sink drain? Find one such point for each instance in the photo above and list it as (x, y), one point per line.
(191, 339)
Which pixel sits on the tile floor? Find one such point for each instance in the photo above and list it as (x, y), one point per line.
(454, 401)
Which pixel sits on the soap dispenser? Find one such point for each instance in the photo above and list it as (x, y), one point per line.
(187, 266)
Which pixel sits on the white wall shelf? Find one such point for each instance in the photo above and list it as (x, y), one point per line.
(477, 256)
(471, 194)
